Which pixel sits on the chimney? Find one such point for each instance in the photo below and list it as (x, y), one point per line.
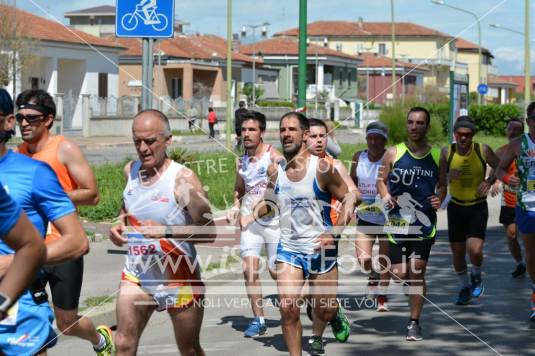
(360, 24)
(236, 42)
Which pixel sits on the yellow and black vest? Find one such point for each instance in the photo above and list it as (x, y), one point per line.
(465, 174)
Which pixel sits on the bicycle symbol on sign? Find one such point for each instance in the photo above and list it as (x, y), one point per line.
(146, 13)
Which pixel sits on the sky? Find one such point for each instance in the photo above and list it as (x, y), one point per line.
(210, 16)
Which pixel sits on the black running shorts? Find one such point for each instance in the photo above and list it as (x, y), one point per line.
(65, 281)
(507, 215)
(410, 247)
(467, 221)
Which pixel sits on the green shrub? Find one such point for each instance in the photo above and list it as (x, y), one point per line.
(395, 117)
(490, 119)
(285, 104)
(440, 112)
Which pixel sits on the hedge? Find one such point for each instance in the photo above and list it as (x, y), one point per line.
(490, 119)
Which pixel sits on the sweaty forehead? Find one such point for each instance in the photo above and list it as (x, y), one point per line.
(290, 121)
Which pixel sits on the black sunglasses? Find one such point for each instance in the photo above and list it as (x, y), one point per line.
(31, 119)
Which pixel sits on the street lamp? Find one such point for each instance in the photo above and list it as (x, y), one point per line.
(442, 3)
(527, 84)
(264, 27)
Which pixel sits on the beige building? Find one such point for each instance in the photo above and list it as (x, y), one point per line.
(468, 52)
(431, 50)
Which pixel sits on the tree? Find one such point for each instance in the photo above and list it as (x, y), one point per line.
(16, 47)
(248, 91)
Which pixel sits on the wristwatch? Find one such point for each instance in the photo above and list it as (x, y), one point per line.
(5, 303)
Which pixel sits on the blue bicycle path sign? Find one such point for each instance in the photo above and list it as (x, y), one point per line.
(145, 18)
(482, 89)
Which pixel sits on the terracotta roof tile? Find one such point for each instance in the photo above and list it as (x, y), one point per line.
(461, 43)
(290, 46)
(202, 47)
(364, 29)
(39, 28)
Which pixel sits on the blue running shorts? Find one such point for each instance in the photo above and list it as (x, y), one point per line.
(317, 263)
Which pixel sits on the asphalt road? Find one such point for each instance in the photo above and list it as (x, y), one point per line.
(495, 324)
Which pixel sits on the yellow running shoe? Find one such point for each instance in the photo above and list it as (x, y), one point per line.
(109, 349)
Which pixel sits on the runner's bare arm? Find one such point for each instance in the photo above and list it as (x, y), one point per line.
(512, 151)
(73, 242)
(193, 198)
(492, 160)
(335, 184)
(353, 167)
(117, 230)
(239, 191)
(496, 187)
(72, 156)
(29, 257)
(382, 177)
(442, 186)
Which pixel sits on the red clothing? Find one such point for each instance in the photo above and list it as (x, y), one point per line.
(212, 119)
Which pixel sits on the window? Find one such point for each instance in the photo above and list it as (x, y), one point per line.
(382, 49)
(34, 82)
(360, 48)
(339, 47)
(102, 85)
(176, 88)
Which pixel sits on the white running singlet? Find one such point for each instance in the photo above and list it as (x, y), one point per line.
(304, 210)
(159, 264)
(264, 232)
(367, 173)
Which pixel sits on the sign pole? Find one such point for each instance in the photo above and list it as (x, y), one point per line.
(150, 69)
(144, 74)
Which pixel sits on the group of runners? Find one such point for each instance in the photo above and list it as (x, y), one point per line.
(294, 204)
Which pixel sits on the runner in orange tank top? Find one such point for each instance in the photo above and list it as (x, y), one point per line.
(514, 129)
(35, 116)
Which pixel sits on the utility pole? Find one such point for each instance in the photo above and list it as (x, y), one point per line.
(393, 52)
(527, 76)
(229, 75)
(301, 100)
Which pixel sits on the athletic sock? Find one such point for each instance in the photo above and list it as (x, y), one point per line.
(261, 319)
(463, 278)
(417, 321)
(476, 271)
(101, 344)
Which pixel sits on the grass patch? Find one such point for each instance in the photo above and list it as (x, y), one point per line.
(93, 302)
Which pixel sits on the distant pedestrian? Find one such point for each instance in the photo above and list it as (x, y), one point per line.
(238, 118)
(192, 118)
(212, 120)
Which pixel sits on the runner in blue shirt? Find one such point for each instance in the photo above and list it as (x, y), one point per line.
(18, 233)
(35, 188)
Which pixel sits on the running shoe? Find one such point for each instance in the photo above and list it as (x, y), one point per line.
(465, 296)
(414, 331)
(255, 328)
(519, 271)
(109, 348)
(382, 303)
(340, 326)
(478, 288)
(315, 345)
